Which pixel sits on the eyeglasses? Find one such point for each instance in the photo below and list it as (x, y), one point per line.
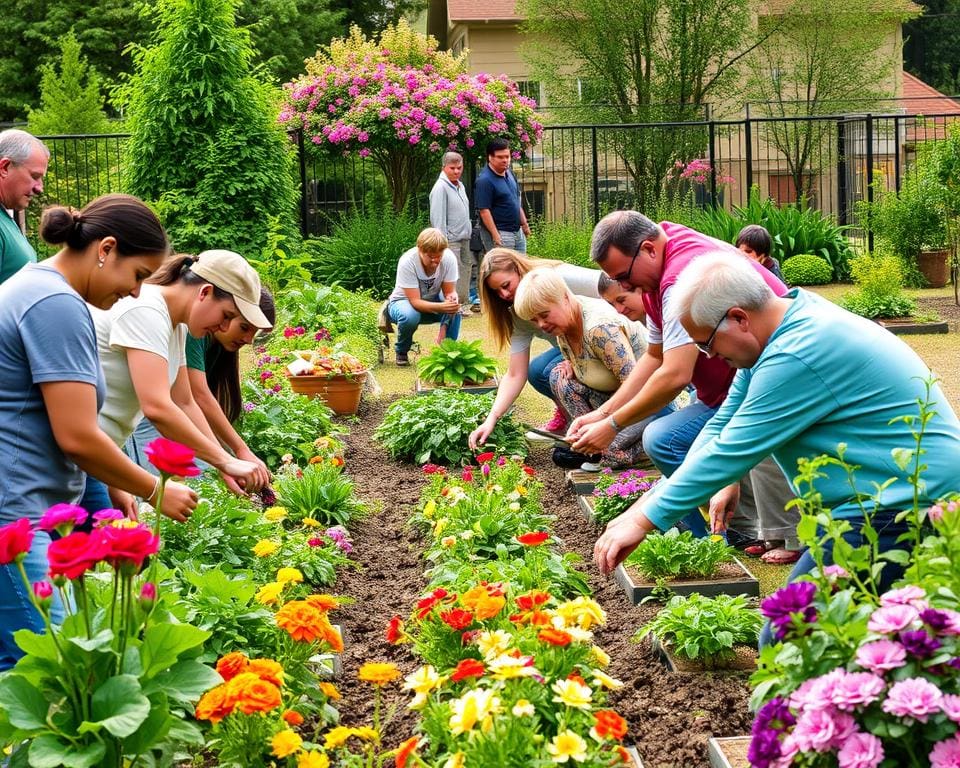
(705, 346)
(624, 277)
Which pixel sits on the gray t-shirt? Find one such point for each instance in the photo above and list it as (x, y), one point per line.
(410, 274)
(46, 335)
(581, 282)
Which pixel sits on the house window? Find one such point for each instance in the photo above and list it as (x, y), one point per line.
(589, 90)
(530, 89)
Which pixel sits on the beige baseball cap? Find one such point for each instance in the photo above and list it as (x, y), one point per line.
(230, 272)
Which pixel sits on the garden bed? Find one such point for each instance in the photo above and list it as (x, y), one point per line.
(729, 752)
(670, 719)
(490, 385)
(902, 326)
(731, 579)
(745, 661)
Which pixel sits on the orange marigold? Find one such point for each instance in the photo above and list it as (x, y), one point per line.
(330, 691)
(323, 602)
(232, 665)
(405, 750)
(292, 717)
(267, 669)
(252, 694)
(378, 673)
(484, 605)
(555, 636)
(214, 705)
(624, 756)
(302, 621)
(331, 635)
(610, 725)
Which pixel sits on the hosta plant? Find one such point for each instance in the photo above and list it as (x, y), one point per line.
(453, 363)
(615, 492)
(705, 629)
(435, 428)
(673, 555)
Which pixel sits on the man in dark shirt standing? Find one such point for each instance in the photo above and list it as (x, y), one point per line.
(497, 197)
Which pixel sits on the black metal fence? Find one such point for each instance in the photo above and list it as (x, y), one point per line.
(578, 172)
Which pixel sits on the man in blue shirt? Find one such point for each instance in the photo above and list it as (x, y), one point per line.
(497, 197)
(811, 376)
(23, 164)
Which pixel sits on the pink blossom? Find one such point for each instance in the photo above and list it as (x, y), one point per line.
(857, 688)
(835, 572)
(820, 730)
(817, 692)
(892, 618)
(951, 707)
(62, 516)
(881, 656)
(910, 595)
(860, 750)
(946, 753)
(913, 697)
(42, 590)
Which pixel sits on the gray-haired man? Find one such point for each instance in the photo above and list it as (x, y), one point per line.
(23, 164)
(450, 213)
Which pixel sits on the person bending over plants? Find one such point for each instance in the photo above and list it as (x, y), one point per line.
(812, 379)
(599, 347)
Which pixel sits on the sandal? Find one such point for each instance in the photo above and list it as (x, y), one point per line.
(780, 556)
(761, 547)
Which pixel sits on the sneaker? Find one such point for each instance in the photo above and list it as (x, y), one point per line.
(570, 459)
(402, 359)
(465, 311)
(558, 423)
(591, 466)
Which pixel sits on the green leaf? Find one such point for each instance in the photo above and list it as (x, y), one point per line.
(164, 643)
(154, 728)
(117, 706)
(902, 457)
(36, 645)
(186, 680)
(100, 642)
(48, 751)
(24, 704)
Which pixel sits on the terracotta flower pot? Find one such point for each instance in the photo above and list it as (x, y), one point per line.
(340, 392)
(934, 266)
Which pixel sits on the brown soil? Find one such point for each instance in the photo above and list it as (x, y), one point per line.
(943, 307)
(724, 572)
(671, 715)
(744, 661)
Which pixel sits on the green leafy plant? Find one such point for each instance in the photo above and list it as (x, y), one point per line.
(879, 278)
(453, 363)
(806, 269)
(565, 240)
(435, 427)
(705, 629)
(675, 555)
(321, 492)
(339, 311)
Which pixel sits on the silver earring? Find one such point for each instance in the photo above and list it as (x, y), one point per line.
(100, 263)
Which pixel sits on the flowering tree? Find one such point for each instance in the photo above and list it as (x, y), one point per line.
(400, 102)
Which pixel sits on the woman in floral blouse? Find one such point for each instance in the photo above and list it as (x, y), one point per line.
(599, 348)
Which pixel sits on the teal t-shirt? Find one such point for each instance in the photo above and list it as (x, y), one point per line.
(196, 352)
(15, 250)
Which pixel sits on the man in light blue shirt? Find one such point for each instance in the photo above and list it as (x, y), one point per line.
(450, 213)
(811, 376)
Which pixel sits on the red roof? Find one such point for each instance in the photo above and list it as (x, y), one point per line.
(483, 10)
(922, 99)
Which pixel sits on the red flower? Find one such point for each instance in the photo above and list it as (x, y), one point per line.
(74, 555)
(530, 600)
(15, 541)
(395, 633)
(555, 637)
(529, 471)
(425, 605)
(315, 542)
(468, 668)
(457, 618)
(433, 469)
(405, 750)
(172, 458)
(483, 458)
(534, 539)
(610, 725)
(467, 475)
(129, 546)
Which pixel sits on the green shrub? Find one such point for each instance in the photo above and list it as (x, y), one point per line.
(362, 251)
(343, 313)
(563, 240)
(453, 363)
(323, 493)
(806, 269)
(879, 279)
(434, 428)
(675, 555)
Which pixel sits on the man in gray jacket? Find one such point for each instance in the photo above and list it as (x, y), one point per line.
(450, 213)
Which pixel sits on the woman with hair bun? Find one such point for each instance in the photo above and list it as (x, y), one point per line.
(52, 386)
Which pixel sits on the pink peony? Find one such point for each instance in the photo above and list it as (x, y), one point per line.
(62, 518)
(881, 656)
(910, 595)
(820, 730)
(946, 753)
(817, 692)
(913, 697)
(892, 618)
(855, 689)
(860, 750)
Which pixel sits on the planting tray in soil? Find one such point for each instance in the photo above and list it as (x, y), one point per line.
(731, 579)
(489, 385)
(905, 326)
(744, 661)
(729, 752)
(328, 666)
(632, 751)
(582, 482)
(585, 503)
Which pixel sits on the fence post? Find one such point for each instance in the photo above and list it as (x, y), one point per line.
(869, 143)
(748, 156)
(304, 210)
(711, 158)
(596, 174)
(841, 173)
(896, 152)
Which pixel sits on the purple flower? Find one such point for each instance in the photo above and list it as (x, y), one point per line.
(248, 407)
(946, 753)
(854, 689)
(860, 750)
(62, 518)
(793, 600)
(913, 697)
(918, 643)
(892, 618)
(881, 656)
(764, 749)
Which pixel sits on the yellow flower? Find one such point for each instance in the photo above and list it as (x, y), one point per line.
(572, 693)
(475, 706)
(440, 525)
(313, 759)
(330, 691)
(456, 760)
(506, 667)
(265, 548)
(567, 745)
(610, 683)
(493, 644)
(378, 673)
(583, 612)
(268, 594)
(285, 743)
(599, 656)
(421, 682)
(716, 537)
(337, 737)
(522, 490)
(522, 708)
(366, 733)
(275, 514)
(288, 575)
(429, 509)
(309, 522)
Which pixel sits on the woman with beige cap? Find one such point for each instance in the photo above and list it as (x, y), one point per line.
(141, 343)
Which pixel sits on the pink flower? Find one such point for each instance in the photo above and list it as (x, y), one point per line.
(951, 707)
(860, 750)
(946, 753)
(42, 590)
(129, 547)
(172, 458)
(62, 518)
(833, 572)
(148, 595)
(857, 688)
(817, 692)
(107, 516)
(913, 697)
(881, 656)
(74, 555)
(911, 595)
(820, 730)
(892, 618)
(15, 541)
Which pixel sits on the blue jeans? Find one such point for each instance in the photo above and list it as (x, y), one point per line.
(515, 240)
(407, 320)
(888, 531)
(667, 441)
(16, 611)
(538, 374)
(95, 497)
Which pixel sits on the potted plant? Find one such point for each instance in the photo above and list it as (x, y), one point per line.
(683, 564)
(460, 364)
(331, 374)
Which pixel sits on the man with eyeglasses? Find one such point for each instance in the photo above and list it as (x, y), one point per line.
(810, 377)
(637, 252)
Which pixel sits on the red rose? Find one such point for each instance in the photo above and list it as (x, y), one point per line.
(467, 668)
(534, 539)
(483, 458)
(129, 546)
(15, 540)
(172, 458)
(77, 553)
